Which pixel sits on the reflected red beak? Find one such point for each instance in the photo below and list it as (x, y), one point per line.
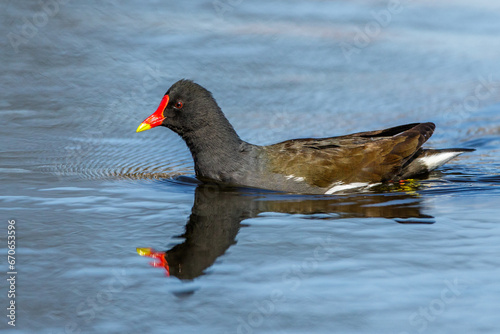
(160, 256)
(156, 118)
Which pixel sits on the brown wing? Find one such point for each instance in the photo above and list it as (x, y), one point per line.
(372, 156)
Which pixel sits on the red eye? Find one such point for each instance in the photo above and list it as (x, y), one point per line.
(179, 105)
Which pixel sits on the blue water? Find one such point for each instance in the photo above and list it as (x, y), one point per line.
(85, 190)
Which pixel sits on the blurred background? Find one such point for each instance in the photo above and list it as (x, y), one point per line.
(86, 190)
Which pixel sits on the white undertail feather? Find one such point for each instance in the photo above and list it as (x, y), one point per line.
(435, 160)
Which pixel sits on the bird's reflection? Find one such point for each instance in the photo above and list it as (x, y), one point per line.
(217, 214)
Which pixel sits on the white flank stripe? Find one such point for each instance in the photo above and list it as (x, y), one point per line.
(295, 178)
(341, 187)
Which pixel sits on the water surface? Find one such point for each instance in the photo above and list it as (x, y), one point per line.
(86, 190)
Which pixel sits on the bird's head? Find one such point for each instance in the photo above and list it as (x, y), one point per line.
(184, 108)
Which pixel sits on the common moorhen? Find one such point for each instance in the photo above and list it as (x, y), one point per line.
(316, 166)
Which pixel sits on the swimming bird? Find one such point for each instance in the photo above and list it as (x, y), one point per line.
(307, 165)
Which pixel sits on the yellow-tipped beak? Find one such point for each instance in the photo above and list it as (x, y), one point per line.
(143, 127)
(143, 251)
(156, 118)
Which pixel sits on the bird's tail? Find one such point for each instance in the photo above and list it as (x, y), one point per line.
(426, 160)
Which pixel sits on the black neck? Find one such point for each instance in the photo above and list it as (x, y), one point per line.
(216, 150)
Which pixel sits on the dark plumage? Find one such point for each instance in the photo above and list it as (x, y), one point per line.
(325, 165)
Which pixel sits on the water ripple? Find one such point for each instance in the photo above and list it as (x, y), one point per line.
(121, 159)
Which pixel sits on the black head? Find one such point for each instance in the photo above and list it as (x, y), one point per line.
(185, 107)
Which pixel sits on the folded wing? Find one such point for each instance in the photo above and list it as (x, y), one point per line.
(365, 157)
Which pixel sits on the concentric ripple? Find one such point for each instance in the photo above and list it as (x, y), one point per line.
(109, 158)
